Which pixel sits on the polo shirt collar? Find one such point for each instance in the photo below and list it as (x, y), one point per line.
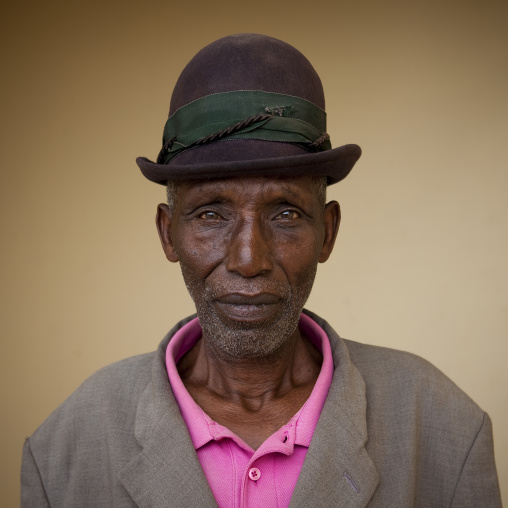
(202, 429)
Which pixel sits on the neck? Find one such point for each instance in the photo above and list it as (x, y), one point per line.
(252, 382)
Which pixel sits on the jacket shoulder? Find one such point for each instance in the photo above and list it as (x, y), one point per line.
(412, 403)
(403, 376)
(421, 421)
(88, 439)
(108, 397)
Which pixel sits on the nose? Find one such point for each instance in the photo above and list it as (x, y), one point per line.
(249, 251)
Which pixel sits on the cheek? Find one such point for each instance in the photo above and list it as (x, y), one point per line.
(299, 259)
(305, 242)
(200, 254)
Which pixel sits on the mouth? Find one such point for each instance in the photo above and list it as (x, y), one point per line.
(251, 308)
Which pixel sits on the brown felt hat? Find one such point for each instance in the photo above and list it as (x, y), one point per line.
(248, 104)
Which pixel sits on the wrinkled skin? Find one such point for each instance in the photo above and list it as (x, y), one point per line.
(248, 249)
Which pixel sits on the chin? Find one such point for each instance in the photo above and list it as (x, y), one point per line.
(249, 340)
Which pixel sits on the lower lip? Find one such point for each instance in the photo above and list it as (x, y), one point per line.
(248, 312)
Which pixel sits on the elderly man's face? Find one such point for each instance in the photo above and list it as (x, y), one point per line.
(248, 250)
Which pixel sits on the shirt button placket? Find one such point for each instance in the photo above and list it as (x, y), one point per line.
(253, 475)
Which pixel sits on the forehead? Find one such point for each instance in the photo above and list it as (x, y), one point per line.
(301, 187)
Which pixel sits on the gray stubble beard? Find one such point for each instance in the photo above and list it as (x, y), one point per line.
(262, 342)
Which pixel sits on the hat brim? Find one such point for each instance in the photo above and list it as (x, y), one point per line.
(335, 164)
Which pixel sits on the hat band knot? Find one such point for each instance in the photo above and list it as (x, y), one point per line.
(245, 114)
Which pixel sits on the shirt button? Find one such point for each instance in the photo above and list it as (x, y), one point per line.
(254, 473)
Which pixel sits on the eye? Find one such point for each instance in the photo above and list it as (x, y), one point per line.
(288, 215)
(208, 215)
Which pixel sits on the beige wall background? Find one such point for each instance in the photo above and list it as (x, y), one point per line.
(420, 262)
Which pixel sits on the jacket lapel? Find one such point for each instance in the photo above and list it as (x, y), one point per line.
(338, 470)
(167, 471)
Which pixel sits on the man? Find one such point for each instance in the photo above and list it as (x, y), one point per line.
(254, 403)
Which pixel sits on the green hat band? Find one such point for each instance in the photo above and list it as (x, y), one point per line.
(245, 114)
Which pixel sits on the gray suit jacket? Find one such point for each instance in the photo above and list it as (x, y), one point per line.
(394, 433)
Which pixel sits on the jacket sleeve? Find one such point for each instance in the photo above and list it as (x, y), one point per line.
(478, 484)
(32, 490)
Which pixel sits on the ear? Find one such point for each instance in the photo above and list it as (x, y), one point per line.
(163, 222)
(331, 219)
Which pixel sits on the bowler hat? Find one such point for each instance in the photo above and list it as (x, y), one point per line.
(248, 104)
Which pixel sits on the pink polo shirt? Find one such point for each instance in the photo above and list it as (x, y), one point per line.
(238, 475)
